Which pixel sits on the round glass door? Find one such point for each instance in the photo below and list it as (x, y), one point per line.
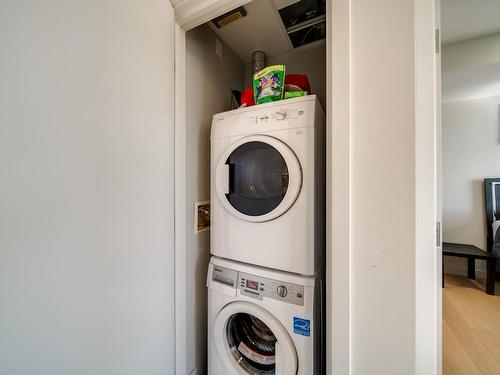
(251, 341)
(252, 344)
(258, 178)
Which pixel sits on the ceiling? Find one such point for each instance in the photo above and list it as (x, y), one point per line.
(467, 19)
(260, 29)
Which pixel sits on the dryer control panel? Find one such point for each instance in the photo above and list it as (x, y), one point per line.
(275, 115)
(259, 287)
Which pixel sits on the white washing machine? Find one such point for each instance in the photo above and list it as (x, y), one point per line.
(268, 185)
(263, 321)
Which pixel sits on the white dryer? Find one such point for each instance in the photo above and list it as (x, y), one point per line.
(267, 186)
(263, 321)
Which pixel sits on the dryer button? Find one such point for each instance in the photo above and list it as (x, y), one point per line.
(280, 115)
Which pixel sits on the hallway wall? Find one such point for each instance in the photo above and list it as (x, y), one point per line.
(86, 192)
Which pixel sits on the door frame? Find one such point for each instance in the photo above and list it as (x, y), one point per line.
(189, 14)
(338, 176)
(439, 186)
(428, 273)
(180, 298)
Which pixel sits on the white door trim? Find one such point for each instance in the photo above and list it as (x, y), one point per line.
(338, 177)
(180, 202)
(439, 193)
(427, 253)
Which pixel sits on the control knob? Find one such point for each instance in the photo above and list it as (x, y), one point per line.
(282, 291)
(280, 115)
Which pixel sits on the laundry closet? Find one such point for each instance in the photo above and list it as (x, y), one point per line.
(219, 61)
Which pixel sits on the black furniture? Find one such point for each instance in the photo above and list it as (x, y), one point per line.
(492, 208)
(472, 253)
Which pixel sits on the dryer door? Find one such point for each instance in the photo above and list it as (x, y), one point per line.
(258, 178)
(250, 340)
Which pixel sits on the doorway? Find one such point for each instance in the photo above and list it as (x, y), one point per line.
(210, 62)
(470, 67)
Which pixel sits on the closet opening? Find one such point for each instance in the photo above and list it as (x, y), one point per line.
(221, 58)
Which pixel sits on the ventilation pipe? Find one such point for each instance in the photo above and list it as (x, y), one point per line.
(258, 61)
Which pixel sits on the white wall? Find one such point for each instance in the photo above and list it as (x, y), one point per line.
(309, 59)
(471, 69)
(470, 115)
(471, 83)
(469, 53)
(383, 168)
(471, 152)
(209, 81)
(86, 193)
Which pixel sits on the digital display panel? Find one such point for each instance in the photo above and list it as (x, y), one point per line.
(252, 285)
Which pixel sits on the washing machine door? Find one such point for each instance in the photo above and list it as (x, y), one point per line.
(250, 340)
(258, 178)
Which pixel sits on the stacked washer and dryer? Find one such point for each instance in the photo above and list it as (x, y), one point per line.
(266, 277)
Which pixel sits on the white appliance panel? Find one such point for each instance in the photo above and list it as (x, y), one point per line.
(278, 314)
(292, 241)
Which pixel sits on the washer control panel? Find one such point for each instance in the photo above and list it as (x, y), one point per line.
(259, 287)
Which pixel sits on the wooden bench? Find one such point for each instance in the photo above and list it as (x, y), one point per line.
(472, 253)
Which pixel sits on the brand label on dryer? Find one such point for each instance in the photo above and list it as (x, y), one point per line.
(301, 326)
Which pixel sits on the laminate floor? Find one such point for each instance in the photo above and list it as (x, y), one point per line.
(471, 328)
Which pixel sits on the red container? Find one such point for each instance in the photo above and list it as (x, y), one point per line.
(298, 80)
(247, 97)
